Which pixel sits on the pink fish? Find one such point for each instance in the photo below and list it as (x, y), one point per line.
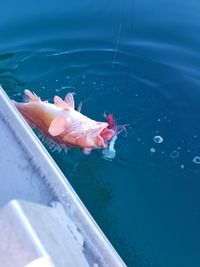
(64, 124)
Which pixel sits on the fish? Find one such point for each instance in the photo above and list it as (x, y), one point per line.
(64, 124)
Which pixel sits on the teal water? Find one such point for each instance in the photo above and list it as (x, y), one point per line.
(139, 60)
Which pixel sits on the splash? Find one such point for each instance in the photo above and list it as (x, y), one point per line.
(110, 152)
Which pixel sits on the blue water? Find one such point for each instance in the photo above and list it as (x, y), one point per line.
(139, 60)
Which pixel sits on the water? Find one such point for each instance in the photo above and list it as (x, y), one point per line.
(139, 60)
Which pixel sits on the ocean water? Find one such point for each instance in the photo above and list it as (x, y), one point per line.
(139, 60)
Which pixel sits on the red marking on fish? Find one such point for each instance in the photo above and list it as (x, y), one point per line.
(111, 121)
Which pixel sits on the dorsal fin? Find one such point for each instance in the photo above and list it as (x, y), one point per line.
(79, 107)
(30, 97)
(69, 99)
(60, 103)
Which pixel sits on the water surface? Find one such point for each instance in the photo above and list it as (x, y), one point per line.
(139, 60)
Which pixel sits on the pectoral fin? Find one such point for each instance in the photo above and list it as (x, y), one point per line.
(84, 141)
(57, 126)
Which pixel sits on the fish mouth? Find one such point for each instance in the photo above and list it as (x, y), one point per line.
(113, 129)
(107, 134)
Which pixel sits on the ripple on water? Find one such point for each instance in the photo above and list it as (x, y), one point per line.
(174, 154)
(152, 150)
(196, 160)
(158, 139)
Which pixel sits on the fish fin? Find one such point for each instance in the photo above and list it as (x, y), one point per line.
(57, 126)
(84, 141)
(69, 99)
(100, 142)
(79, 107)
(30, 97)
(95, 135)
(60, 103)
(69, 138)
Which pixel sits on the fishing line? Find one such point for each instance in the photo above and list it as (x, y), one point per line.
(132, 14)
(120, 29)
(117, 44)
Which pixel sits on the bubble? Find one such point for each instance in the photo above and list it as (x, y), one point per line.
(182, 166)
(196, 160)
(175, 154)
(158, 139)
(152, 150)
